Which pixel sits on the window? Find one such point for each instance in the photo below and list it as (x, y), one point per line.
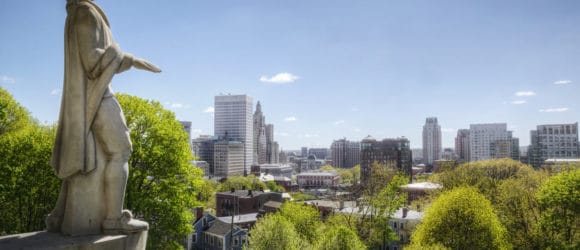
(236, 241)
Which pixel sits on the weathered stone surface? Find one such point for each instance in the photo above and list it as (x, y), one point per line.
(53, 241)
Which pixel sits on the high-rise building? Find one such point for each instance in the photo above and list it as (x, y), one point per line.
(481, 137)
(388, 151)
(304, 152)
(462, 144)
(431, 140)
(259, 147)
(187, 128)
(553, 141)
(233, 120)
(228, 158)
(345, 154)
(271, 145)
(320, 153)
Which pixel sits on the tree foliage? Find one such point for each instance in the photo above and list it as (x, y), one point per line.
(461, 219)
(242, 182)
(559, 199)
(12, 115)
(274, 232)
(518, 210)
(304, 218)
(162, 185)
(29, 187)
(339, 237)
(486, 176)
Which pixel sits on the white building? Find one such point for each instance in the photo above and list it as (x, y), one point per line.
(233, 120)
(481, 136)
(228, 158)
(554, 141)
(317, 180)
(431, 140)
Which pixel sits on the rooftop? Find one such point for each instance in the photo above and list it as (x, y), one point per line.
(318, 174)
(411, 215)
(422, 186)
(240, 218)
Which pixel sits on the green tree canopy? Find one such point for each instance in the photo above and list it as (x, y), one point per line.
(12, 115)
(559, 200)
(29, 187)
(274, 232)
(162, 185)
(461, 219)
(339, 237)
(242, 182)
(484, 175)
(304, 218)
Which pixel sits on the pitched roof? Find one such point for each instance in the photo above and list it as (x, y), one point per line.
(219, 227)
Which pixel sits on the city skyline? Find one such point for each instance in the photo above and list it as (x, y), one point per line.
(324, 70)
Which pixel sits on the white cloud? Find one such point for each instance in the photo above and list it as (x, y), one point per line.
(448, 130)
(518, 102)
(311, 135)
(562, 82)
(55, 92)
(336, 123)
(7, 79)
(525, 93)
(290, 119)
(280, 78)
(209, 109)
(553, 110)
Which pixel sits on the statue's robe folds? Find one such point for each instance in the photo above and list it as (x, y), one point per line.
(91, 60)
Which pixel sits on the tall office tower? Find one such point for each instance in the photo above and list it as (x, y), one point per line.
(259, 148)
(388, 151)
(481, 136)
(345, 154)
(553, 141)
(187, 128)
(320, 153)
(462, 144)
(431, 140)
(233, 120)
(271, 145)
(304, 152)
(228, 158)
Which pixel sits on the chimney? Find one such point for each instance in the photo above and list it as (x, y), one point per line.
(233, 190)
(198, 213)
(405, 210)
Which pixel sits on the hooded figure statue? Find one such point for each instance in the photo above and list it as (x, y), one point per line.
(92, 145)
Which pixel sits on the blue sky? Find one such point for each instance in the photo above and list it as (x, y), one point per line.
(323, 70)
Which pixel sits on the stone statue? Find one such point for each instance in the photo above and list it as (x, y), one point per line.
(92, 146)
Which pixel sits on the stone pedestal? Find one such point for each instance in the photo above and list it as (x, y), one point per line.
(51, 241)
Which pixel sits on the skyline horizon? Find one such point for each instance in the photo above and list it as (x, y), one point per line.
(323, 70)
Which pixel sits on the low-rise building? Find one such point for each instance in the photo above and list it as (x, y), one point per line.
(212, 233)
(403, 223)
(243, 201)
(417, 190)
(318, 179)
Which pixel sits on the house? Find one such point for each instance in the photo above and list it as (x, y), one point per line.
(243, 201)
(403, 222)
(211, 233)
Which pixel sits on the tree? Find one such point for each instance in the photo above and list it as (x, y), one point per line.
(339, 237)
(162, 185)
(29, 187)
(559, 200)
(242, 182)
(486, 176)
(304, 218)
(518, 210)
(12, 115)
(461, 219)
(274, 232)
